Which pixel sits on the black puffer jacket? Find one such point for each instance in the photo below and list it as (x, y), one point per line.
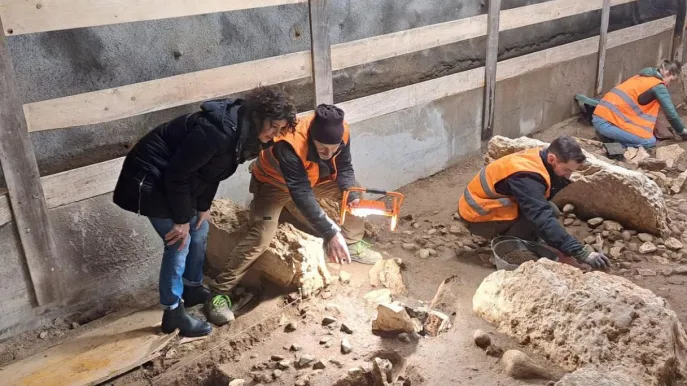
(175, 169)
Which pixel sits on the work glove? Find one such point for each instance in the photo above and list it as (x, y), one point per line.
(596, 260)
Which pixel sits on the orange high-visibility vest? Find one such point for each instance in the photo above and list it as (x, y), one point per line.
(481, 203)
(266, 168)
(621, 107)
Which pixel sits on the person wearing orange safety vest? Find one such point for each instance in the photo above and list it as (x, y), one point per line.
(312, 162)
(627, 114)
(510, 197)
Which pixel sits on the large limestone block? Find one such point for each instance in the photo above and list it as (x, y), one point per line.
(602, 190)
(594, 319)
(294, 259)
(588, 376)
(228, 227)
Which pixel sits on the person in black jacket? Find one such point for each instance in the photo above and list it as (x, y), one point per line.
(527, 181)
(172, 174)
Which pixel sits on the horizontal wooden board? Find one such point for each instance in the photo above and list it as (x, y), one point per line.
(29, 16)
(401, 98)
(82, 183)
(95, 356)
(368, 50)
(139, 98)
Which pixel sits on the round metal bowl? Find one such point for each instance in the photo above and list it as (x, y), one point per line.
(503, 245)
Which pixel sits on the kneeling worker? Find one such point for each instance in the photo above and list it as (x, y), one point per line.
(510, 197)
(312, 162)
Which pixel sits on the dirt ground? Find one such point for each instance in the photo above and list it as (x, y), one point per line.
(452, 358)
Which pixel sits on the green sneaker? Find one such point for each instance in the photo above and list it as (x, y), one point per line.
(363, 254)
(218, 310)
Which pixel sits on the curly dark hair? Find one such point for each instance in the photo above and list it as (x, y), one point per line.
(273, 104)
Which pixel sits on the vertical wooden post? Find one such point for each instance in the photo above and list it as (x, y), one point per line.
(490, 69)
(676, 51)
(24, 187)
(603, 39)
(321, 52)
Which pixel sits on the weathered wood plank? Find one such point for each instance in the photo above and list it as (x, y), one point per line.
(29, 16)
(357, 52)
(81, 183)
(490, 69)
(603, 40)
(25, 191)
(321, 52)
(95, 356)
(139, 98)
(145, 97)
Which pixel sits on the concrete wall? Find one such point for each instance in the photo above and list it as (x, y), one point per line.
(109, 256)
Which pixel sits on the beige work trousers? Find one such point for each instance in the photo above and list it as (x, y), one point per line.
(267, 204)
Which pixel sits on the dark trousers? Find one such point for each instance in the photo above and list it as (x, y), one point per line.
(520, 228)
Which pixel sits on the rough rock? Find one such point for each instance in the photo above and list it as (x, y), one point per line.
(568, 208)
(612, 226)
(615, 252)
(387, 273)
(291, 327)
(482, 339)
(494, 351)
(679, 183)
(327, 320)
(381, 372)
(646, 272)
(595, 222)
(520, 366)
(447, 297)
(645, 237)
(579, 319)
(378, 296)
(344, 277)
(355, 377)
(647, 247)
(568, 222)
(409, 247)
(423, 253)
(43, 334)
(436, 323)
(293, 259)
(674, 156)
(626, 196)
(673, 244)
(588, 376)
(635, 155)
(319, 365)
(392, 318)
(305, 360)
(237, 382)
(652, 164)
(346, 347)
(346, 329)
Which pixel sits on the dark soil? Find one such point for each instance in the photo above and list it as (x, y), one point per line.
(519, 256)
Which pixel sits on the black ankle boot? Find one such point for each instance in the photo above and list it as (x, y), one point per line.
(195, 295)
(188, 325)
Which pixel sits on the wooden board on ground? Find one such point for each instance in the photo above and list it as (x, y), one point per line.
(95, 356)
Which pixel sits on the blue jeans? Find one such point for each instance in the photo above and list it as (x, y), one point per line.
(180, 267)
(610, 131)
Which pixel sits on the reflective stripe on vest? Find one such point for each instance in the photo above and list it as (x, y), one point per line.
(621, 107)
(480, 202)
(266, 168)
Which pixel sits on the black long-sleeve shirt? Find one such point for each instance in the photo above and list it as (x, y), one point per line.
(529, 191)
(302, 194)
